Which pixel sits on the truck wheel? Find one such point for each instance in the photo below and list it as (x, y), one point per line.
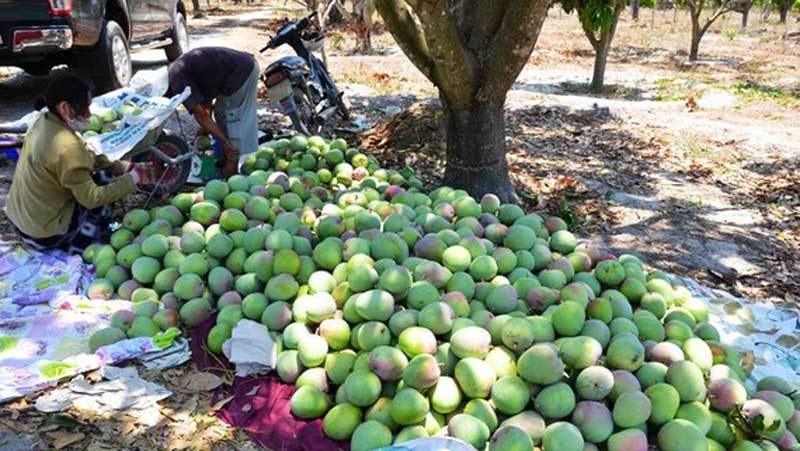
(180, 39)
(37, 69)
(112, 68)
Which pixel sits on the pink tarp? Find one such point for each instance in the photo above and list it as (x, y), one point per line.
(265, 414)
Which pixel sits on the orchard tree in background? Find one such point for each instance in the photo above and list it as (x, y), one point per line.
(473, 51)
(599, 20)
(743, 7)
(360, 17)
(197, 10)
(699, 26)
(784, 6)
(635, 9)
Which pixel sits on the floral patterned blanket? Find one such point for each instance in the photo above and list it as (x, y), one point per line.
(46, 321)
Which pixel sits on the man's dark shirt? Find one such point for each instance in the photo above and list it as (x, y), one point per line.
(210, 72)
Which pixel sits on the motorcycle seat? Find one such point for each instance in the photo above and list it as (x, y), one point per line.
(286, 64)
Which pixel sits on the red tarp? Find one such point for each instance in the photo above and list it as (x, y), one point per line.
(266, 414)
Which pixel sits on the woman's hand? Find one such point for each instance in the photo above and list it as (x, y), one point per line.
(142, 173)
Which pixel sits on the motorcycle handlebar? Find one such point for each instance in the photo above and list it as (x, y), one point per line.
(301, 24)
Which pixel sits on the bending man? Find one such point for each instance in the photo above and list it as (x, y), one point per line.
(223, 82)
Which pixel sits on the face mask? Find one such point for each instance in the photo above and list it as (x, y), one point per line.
(78, 124)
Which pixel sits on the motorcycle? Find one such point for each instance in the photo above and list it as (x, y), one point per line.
(300, 83)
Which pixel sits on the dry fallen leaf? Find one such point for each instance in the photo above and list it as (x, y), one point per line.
(201, 381)
(64, 439)
(221, 403)
(189, 406)
(48, 427)
(97, 446)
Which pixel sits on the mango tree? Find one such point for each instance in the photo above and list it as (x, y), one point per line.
(473, 51)
(743, 7)
(360, 18)
(784, 6)
(700, 26)
(599, 20)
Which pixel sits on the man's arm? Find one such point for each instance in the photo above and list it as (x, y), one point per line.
(202, 115)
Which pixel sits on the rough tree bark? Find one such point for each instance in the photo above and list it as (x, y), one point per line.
(699, 29)
(473, 51)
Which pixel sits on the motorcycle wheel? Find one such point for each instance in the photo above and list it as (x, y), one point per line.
(302, 116)
(336, 96)
(174, 177)
(341, 108)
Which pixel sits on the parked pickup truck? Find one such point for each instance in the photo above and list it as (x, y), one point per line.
(93, 36)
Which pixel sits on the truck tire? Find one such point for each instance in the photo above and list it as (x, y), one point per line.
(180, 39)
(109, 64)
(37, 69)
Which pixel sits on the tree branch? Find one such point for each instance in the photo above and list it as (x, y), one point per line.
(454, 67)
(587, 30)
(724, 7)
(608, 36)
(481, 20)
(511, 46)
(407, 31)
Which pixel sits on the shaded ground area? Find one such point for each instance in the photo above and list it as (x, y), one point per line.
(185, 420)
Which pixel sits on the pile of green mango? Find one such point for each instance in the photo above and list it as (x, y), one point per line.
(401, 313)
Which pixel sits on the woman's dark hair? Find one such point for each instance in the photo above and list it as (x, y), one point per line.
(66, 87)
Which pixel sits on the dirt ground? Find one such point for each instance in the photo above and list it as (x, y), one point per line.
(695, 167)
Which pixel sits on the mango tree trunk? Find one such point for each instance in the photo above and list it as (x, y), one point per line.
(476, 151)
(601, 43)
(784, 10)
(472, 50)
(697, 35)
(599, 73)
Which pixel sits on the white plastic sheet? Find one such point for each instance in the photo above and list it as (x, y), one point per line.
(431, 444)
(134, 129)
(151, 83)
(250, 348)
(769, 332)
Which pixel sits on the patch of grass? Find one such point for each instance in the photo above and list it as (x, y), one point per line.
(336, 40)
(613, 91)
(731, 33)
(570, 217)
(692, 148)
(697, 154)
(753, 92)
(678, 89)
(695, 201)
